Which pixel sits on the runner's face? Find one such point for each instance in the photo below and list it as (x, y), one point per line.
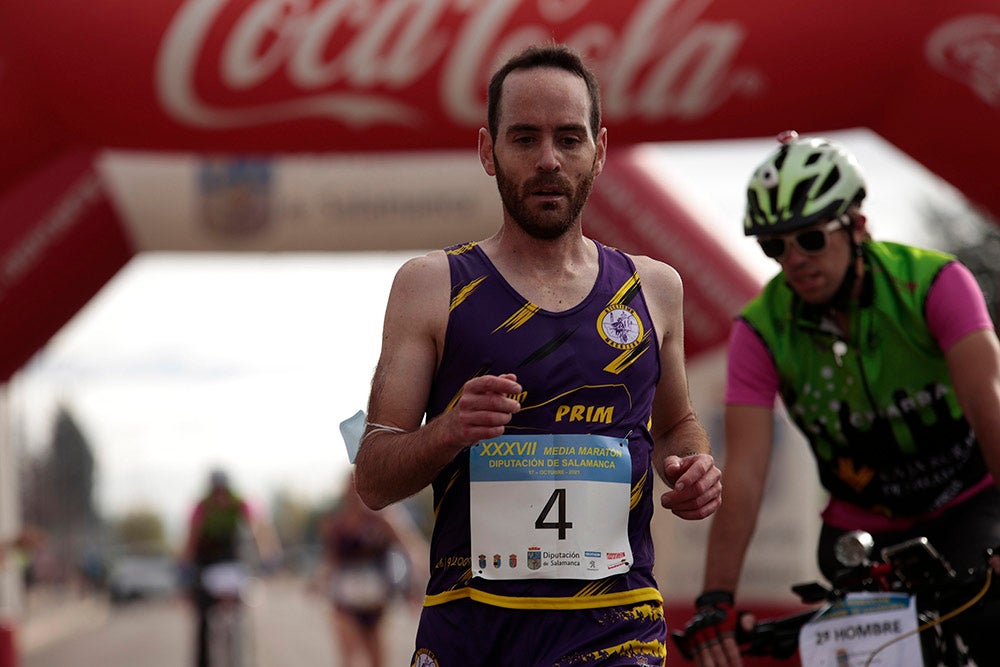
(544, 158)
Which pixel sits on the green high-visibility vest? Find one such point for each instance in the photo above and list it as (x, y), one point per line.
(876, 403)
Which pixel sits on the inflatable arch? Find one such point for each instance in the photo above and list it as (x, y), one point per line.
(236, 84)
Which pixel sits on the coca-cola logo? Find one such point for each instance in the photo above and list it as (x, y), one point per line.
(967, 49)
(363, 63)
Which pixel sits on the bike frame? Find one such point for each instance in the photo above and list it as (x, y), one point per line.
(230, 637)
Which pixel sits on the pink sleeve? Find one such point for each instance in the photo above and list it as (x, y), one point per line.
(751, 378)
(955, 306)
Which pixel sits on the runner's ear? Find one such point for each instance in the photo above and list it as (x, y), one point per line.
(486, 151)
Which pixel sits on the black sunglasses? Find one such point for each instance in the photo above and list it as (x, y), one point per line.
(811, 241)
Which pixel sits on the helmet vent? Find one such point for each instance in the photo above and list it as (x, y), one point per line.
(754, 207)
(813, 158)
(800, 196)
(830, 181)
(779, 159)
(772, 201)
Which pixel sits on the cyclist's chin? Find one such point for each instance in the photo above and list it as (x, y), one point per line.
(812, 286)
(813, 292)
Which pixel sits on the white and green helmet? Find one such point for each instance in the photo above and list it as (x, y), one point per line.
(804, 182)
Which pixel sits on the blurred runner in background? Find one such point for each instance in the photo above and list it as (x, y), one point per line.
(369, 559)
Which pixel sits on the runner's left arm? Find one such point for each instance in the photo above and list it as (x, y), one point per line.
(682, 452)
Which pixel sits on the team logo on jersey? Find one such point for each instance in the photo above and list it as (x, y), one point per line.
(620, 326)
(425, 658)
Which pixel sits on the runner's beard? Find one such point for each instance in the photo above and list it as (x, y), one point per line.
(546, 224)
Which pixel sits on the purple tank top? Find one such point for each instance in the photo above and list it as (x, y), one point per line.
(592, 369)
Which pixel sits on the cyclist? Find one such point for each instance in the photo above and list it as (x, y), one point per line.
(885, 358)
(218, 525)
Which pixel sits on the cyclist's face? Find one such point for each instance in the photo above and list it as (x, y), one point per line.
(816, 274)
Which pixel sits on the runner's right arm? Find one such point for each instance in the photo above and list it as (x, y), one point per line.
(398, 457)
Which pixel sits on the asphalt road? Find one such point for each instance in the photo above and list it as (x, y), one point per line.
(290, 627)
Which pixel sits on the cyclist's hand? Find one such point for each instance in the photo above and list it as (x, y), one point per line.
(994, 558)
(712, 630)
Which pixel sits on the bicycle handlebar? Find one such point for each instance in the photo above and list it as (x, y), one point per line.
(778, 637)
(911, 567)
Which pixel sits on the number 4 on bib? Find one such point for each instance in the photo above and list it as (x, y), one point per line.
(550, 507)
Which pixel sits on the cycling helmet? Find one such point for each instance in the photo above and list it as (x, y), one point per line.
(805, 181)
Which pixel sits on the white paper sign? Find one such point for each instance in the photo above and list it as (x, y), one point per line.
(850, 631)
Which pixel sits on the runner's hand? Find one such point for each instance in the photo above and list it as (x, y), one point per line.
(696, 486)
(484, 408)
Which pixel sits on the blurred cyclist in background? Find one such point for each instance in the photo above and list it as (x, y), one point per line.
(221, 530)
(886, 359)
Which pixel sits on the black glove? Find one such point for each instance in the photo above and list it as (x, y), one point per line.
(713, 620)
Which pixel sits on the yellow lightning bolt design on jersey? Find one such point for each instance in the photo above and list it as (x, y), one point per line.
(525, 313)
(629, 357)
(627, 291)
(464, 293)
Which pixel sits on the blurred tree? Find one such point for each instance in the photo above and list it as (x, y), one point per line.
(141, 531)
(71, 466)
(58, 494)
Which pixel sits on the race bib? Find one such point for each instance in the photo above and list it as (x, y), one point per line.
(361, 587)
(550, 507)
(852, 630)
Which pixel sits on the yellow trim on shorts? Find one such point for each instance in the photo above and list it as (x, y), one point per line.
(580, 602)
